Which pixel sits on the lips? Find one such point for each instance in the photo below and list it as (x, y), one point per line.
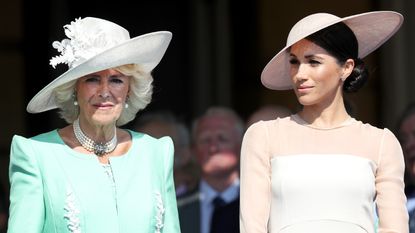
(304, 88)
(103, 105)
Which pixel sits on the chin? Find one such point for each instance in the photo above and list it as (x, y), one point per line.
(222, 168)
(219, 172)
(306, 100)
(105, 119)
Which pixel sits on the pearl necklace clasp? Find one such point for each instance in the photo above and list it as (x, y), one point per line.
(98, 148)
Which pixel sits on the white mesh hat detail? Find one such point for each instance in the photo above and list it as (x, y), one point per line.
(96, 44)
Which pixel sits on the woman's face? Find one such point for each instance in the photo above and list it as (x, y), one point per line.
(101, 96)
(315, 74)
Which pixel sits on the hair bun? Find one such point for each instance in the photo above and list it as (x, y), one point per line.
(357, 78)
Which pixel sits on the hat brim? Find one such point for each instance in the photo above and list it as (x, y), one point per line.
(371, 29)
(146, 50)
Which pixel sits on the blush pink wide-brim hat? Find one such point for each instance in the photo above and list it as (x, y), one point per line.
(94, 45)
(371, 29)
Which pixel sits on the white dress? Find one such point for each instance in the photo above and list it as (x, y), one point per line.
(299, 179)
(333, 193)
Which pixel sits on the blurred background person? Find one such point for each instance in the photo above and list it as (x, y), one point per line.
(268, 112)
(165, 123)
(216, 143)
(406, 136)
(4, 208)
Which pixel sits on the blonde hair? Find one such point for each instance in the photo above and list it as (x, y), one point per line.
(141, 89)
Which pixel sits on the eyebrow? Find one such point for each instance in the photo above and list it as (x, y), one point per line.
(91, 75)
(111, 76)
(308, 56)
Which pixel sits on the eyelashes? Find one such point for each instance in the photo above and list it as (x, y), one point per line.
(312, 62)
(112, 79)
(293, 61)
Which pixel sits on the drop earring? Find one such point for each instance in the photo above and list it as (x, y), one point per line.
(75, 102)
(126, 102)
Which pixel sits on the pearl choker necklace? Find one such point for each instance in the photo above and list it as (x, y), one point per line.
(99, 148)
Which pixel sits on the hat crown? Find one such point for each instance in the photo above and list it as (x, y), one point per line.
(309, 25)
(87, 37)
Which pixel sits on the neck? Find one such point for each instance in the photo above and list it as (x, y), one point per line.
(325, 116)
(220, 184)
(98, 133)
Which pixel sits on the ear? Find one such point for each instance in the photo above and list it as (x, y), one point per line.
(129, 86)
(347, 69)
(127, 97)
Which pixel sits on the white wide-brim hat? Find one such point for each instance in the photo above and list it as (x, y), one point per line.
(94, 45)
(371, 29)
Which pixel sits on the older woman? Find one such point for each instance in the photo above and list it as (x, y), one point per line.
(92, 176)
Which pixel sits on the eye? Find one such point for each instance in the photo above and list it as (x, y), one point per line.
(117, 79)
(294, 61)
(224, 138)
(91, 79)
(203, 141)
(314, 62)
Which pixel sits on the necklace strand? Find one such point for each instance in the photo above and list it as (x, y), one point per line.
(98, 148)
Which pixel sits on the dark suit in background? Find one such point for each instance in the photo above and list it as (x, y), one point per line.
(225, 219)
(189, 213)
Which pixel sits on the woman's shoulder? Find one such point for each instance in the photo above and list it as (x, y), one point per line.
(267, 129)
(267, 124)
(43, 137)
(142, 137)
(374, 130)
(37, 146)
(149, 143)
(154, 149)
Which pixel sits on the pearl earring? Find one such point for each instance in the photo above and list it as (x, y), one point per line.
(75, 102)
(126, 101)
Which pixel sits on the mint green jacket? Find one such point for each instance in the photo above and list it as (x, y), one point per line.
(55, 189)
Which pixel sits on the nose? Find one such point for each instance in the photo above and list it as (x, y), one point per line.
(214, 146)
(302, 72)
(103, 89)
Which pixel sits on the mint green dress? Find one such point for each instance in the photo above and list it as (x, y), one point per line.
(55, 189)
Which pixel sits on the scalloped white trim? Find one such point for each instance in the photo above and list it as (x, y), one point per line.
(72, 213)
(160, 212)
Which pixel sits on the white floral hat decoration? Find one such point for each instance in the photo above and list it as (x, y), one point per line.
(95, 44)
(371, 29)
